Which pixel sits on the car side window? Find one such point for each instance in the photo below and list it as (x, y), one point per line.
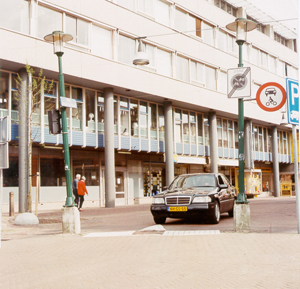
(220, 180)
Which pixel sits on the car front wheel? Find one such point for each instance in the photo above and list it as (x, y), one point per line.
(159, 220)
(215, 217)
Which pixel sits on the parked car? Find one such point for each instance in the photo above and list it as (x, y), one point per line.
(195, 195)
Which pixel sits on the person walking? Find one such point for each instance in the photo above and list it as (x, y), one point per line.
(81, 192)
(75, 187)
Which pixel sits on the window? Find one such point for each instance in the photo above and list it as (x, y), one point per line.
(210, 80)
(193, 127)
(264, 59)
(182, 69)
(222, 41)
(116, 113)
(79, 29)
(219, 132)
(164, 62)
(207, 33)
(265, 139)
(200, 128)
(162, 12)
(15, 16)
(185, 126)
(254, 56)
(101, 42)
(269, 141)
(124, 116)
(153, 121)
(90, 110)
(48, 21)
(236, 135)
(197, 72)
(126, 49)
(129, 4)
(260, 139)
(186, 23)
(4, 77)
(161, 122)
(225, 134)
(49, 100)
(52, 172)
(230, 134)
(134, 118)
(281, 68)
(272, 64)
(144, 119)
(178, 127)
(206, 130)
(222, 82)
(255, 138)
(77, 112)
(100, 106)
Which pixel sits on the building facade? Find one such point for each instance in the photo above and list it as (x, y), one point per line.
(169, 117)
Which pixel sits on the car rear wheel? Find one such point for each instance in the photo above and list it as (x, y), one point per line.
(215, 217)
(159, 220)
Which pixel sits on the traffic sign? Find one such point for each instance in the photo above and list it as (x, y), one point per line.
(271, 96)
(292, 94)
(239, 82)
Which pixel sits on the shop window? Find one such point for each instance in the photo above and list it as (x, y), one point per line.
(200, 129)
(52, 172)
(88, 167)
(230, 134)
(124, 116)
(206, 129)
(90, 110)
(219, 132)
(185, 126)
(144, 119)
(153, 121)
(178, 126)
(193, 127)
(100, 107)
(101, 43)
(161, 123)
(77, 112)
(48, 20)
(134, 118)
(225, 134)
(10, 175)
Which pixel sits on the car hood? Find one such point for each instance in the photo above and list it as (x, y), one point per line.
(188, 191)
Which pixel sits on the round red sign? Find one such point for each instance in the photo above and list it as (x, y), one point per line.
(271, 96)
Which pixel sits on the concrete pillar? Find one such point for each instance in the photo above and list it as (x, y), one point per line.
(70, 220)
(23, 141)
(109, 151)
(275, 162)
(169, 142)
(213, 141)
(248, 145)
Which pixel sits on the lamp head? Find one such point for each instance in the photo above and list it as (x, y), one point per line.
(241, 26)
(141, 56)
(58, 38)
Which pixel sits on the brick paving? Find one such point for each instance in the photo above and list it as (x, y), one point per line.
(41, 257)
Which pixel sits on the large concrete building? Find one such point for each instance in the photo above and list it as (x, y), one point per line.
(170, 117)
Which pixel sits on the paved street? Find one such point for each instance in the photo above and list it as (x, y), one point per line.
(214, 256)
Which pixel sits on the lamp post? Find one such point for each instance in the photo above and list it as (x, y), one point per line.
(58, 38)
(241, 26)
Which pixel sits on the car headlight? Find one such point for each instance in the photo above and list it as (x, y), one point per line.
(158, 201)
(202, 199)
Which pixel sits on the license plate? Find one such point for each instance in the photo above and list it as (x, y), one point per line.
(177, 209)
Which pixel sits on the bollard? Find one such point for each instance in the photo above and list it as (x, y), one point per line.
(11, 204)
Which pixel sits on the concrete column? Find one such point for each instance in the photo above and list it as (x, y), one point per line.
(109, 150)
(169, 142)
(23, 142)
(213, 141)
(248, 145)
(275, 162)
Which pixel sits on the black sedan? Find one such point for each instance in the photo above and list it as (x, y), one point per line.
(192, 195)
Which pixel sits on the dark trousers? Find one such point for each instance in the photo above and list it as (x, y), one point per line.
(75, 196)
(80, 201)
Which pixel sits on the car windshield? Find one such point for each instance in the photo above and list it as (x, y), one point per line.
(194, 181)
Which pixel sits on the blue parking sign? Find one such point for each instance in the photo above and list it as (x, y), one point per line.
(292, 95)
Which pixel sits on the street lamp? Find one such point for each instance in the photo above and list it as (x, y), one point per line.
(241, 26)
(58, 38)
(141, 56)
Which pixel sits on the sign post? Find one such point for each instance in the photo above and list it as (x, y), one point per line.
(292, 91)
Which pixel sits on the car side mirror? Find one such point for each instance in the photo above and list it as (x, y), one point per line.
(223, 186)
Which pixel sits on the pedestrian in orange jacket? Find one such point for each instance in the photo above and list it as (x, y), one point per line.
(81, 191)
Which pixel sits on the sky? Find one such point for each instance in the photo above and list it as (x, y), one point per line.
(280, 9)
